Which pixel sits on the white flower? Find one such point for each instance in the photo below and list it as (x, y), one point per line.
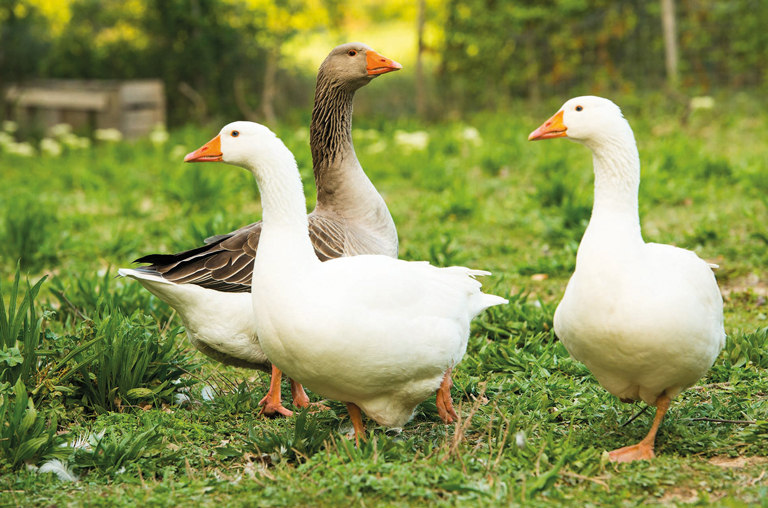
(178, 152)
(181, 398)
(158, 137)
(10, 126)
(301, 134)
(377, 147)
(108, 135)
(472, 136)
(73, 141)
(412, 140)
(50, 147)
(6, 139)
(369, 134)
(520, 440)
(705, 102)
(60, 130)
(67, 138)
(61, 469)
(22, 149)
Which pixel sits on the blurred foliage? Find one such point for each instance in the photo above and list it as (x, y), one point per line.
(232, 58)
(494, 50)
(199, 48)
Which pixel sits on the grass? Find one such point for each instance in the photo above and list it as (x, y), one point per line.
(102, 362)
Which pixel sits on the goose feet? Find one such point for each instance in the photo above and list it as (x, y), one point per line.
(272, 404)
(640, 451)
(298, 394)
(644, 449)
(444, 402)
(301, 400)
(357, 422)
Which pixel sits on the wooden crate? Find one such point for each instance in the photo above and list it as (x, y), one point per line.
(133, 107)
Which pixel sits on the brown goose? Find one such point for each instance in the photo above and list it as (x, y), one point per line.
(210, 286)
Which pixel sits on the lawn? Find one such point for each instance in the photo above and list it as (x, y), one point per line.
(105, 363)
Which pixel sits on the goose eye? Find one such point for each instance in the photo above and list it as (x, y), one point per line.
(579, 108)
(352, 52)
(235, 134)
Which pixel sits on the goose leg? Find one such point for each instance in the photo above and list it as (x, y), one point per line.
(357, 421)
(644, 449)
(272, 401)
(300, 398)
(444, 402)
(298, 394)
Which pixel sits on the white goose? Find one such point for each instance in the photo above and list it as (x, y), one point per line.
(378, 333)
(645, 318)
(209, 286)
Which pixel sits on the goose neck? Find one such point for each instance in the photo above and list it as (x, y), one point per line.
(282, 194)
(331, 132)
(617, 178)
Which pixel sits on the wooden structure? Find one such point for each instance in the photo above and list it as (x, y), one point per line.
(132, 107)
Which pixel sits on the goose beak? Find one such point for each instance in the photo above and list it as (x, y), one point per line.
(378, 64)
(552, 128)
(209, 152)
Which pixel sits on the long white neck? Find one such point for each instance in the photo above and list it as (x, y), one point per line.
(617, 181)
(613, 236)
(284, 216)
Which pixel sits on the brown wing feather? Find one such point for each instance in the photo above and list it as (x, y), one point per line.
(225, 263)
(328, 237)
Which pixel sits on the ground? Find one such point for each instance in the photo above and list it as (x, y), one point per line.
(180, 430)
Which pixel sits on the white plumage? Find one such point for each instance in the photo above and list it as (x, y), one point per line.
(368, 330)
(645, 318)
(219, 324)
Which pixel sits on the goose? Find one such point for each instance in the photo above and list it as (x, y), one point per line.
(209, 286)
(645, 318)
(375, 332)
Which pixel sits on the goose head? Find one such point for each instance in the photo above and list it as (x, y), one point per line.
(355, 64)
(589, 120)
(245, 144)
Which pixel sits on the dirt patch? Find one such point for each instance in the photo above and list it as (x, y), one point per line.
(736, 462)
(751, 282)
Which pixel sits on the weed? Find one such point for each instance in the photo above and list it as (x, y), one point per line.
(80, 298)
(296, 443)
(742, 349)
(114, 451)
(31, 233)
(24, 434)
(133, 362)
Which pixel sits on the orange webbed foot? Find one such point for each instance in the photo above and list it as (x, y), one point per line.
(640, 451)
(301, 400)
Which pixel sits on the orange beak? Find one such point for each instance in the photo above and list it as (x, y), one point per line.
(378, 64)
(552, 128)
(209, 152)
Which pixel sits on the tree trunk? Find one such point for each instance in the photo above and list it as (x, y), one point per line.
(670, 40)
(421, 93)
(270, 88)
(201, 109)
(532, 66)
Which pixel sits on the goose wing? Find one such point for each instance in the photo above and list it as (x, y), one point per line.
(225, 262)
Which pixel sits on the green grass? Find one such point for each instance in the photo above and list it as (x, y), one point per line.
(534, 422)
